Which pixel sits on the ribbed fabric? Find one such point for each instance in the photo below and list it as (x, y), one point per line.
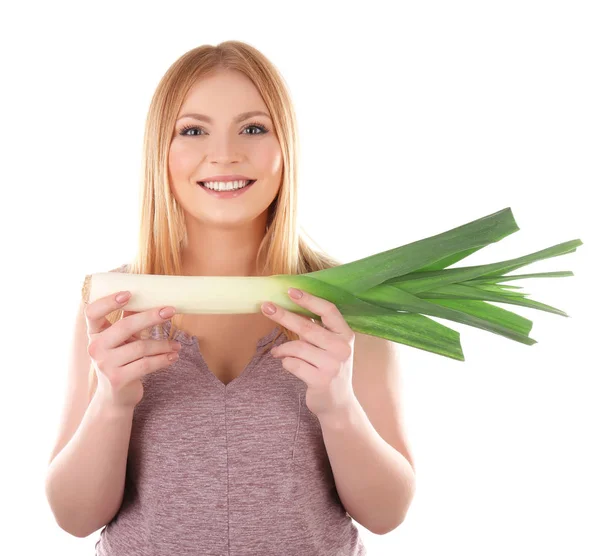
(227, 470)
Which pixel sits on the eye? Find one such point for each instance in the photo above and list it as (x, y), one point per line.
(263, 130)
(186, 128)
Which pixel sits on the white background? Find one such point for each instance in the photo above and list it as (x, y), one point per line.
(413, 120)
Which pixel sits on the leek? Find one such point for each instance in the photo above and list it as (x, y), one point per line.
(386, 295)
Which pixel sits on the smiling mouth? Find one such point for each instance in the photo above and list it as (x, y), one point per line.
(247, 183)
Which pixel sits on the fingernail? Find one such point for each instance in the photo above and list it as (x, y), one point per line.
(167, 312)
(296, 294)
(122, 297)
(268, 308)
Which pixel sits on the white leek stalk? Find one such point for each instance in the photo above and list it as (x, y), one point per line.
(194, 294)
(385, 295)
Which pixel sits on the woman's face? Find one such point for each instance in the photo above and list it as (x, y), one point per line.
(226, 145)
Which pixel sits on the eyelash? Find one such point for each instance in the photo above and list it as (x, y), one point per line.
(251, 124)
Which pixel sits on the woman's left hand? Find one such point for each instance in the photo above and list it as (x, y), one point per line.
(323, 357)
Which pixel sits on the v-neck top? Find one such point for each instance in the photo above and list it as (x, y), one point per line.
(237, 469)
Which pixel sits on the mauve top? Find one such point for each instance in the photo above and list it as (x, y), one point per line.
(227, 470)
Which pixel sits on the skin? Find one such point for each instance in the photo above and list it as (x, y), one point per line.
(236, 225)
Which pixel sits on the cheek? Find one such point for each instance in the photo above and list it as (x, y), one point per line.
(267, 157)
(182, 162)
(270, 161)
(277, 161)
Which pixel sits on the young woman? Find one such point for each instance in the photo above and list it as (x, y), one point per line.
(228, 448)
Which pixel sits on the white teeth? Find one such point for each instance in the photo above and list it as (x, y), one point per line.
(225, 186)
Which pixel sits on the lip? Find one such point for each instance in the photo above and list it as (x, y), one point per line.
(227, 178)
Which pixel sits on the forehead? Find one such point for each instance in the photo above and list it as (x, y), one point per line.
(223, 92)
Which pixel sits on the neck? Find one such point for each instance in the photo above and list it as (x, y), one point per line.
(222, 251)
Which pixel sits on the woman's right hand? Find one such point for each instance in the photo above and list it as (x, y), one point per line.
(119, 355)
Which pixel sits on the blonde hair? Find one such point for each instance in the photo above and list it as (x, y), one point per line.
(162, 231)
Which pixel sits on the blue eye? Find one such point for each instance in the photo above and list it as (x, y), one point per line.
(263, 129)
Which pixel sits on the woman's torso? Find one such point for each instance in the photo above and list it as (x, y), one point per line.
(229, 465)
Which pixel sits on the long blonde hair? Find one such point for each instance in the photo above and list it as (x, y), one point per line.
(162, 233)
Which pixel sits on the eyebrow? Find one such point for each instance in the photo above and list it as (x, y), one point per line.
(240, 118)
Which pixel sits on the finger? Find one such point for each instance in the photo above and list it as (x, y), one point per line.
(146, 365)
(328, 311)
(97, 311)
(123, 355)
(301, 325)
(302, 350)
(133, 324)
(306, 372)
(137, 335)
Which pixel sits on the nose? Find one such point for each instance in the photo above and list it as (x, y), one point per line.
(223, 150)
